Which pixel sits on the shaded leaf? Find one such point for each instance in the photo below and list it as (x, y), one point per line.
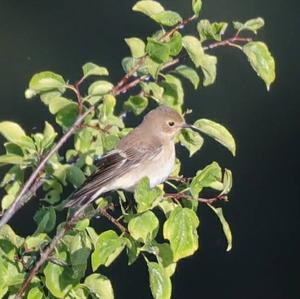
(45, 219)
(261, 61)
(175, 44)
(181, 230)
(191, 140)
(67, 116)
(75, 176)
(159, 52)
(188, 73)
(217, 132)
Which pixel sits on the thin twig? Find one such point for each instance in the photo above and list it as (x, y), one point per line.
(113, 220)
(20, 200)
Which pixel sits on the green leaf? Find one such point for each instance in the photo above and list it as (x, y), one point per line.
(75, 176)
(188, 73)
(191, 140)
(145, 196)
(67, 116)
(206, 62)
(109, 245)
(159, 52)
(59, 103)
(209, 30)
(160, 283)
(45, 219)
(11, 159)
(152, 67)
(227, 181)
(92, 69)
(144, 227)
(173, 92)
(210, 176)
(58, 279)
(49, 136)
(148, 7)
(251, 25)
(194, 49)
(181, 230)
(11, 131)
(46, 81)
(100, 286)
(165, 258)
(167, 18)
(35, 242)
(128, 63)
(261, 61)
(175, 44)
(136, 104)
(136, 46)
(217, 132)
(35, 293)
(225, 226)
(196, 5)
(132, 250)
(100, 87)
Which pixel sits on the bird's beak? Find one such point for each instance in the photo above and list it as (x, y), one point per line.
(188, 126)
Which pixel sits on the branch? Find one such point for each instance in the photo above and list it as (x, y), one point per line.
(46, 254)
(183, 195)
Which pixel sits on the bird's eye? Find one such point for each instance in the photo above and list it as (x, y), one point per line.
(171, 123)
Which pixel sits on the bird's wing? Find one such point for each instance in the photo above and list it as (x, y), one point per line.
(114, 164)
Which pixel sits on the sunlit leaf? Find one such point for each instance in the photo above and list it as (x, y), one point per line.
(194, 49)
(225, 226)
(35, 293)
(209, 30)
(100, 286)
(109, 245)
(175, 44)
(145, 196)
(181, 230)
(45, 81)
(92, 69)
(144, 227)
(11, 159)
(11, 131)
(136, 46)
(100, 87)
(227, 181)
(210, 176)
(261, 61)
(160, 283)
(167, 18)
(217, 132)
(251, 25)
(148, 7)
(196, 5)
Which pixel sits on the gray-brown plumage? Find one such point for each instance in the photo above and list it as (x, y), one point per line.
(149, 150)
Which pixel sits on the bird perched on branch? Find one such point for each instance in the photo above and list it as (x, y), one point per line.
(147, 151)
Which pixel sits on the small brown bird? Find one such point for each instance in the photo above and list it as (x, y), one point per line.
(148, 151)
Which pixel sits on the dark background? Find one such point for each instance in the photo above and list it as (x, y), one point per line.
(264, 210)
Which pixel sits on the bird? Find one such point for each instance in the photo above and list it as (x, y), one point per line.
(147, 151)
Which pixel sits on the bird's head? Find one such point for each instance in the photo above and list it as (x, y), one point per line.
(165, 120)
